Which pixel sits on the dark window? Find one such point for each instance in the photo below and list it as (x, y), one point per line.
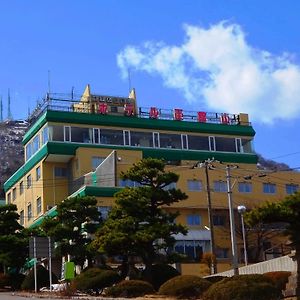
(219, 220)
(291, 188)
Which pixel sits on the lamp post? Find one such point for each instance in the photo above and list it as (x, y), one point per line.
(242, 209)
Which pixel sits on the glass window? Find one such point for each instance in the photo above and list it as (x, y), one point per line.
(21, 187)
(219, 220)
(60, 172)
(238, 145)
(81, 135)
(225, 144)
(291, 188)
(38, 205)
(111, 137)
(35, 144)
(193, 220)
(29, 181)
(22, 217)
(96, 161)
(170, 186)
(45, 135)
(269, 188)
(170, 140)
(212, 143)
(141, 139)
(198, 142)
(14, 194)
(8, 198)
(194, 185)
(221, 252)
(128, 182)
(28, 151)
(247, 145)
(29, 212)
(56, 133)
(192, 249)
(220, 186)
(245, 187)
(38, 173)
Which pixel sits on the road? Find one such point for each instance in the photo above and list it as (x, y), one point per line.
(11, 296)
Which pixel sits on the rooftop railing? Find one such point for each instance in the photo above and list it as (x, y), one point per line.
(72, 103)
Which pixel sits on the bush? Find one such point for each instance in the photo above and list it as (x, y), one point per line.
(214, 279)
(4, 280)
(185, 286)
(279, 278)
(42, 279)
(16, 281)
(95, 280)
(130, 288)
(243, 287)
(160, 274)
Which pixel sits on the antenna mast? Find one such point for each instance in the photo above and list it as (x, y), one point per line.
(9, 114)
(129, 80)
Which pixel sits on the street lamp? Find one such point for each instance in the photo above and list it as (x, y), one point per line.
(242, 209)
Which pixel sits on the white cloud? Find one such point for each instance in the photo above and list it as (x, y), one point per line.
(218, 69)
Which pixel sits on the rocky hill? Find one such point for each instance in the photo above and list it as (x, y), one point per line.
(11, 149)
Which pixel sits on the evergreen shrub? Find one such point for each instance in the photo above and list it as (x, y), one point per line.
(279, 278)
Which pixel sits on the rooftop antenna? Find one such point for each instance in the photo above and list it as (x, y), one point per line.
(72, 93)
(9, 114)
(129, 79)
(1, 109)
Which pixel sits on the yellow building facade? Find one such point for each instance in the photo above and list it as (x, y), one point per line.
(79, 147)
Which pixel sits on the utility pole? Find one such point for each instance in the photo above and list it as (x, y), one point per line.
(207, 164)
(232, 223)
(9, 114)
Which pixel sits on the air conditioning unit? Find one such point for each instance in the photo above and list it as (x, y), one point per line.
(49, 207)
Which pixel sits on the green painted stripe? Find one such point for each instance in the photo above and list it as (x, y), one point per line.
(134, 122)
(35, 159)
(50, 214)
(35, 128)
(96, 191)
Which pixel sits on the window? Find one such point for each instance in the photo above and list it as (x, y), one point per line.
(128, 182)
(38, 173)
(96, 161)
(220, 186)
(29, 181)
(238, 145)
(104, 211)
(81, 135)
(196, 142)
(156, 143)
(291, 188)
(222, 252)
(14, 194)
(193, 249)
(28, 151)
(219, 220)
(111, 137)
(141, 139)
(45, 135)
(21, 186)
(29, 212)
(269, 188)
(38, 205)
(168, 140)
(245, 187)
(96, 136)
(193, 220)
(60, 172)
(194, 185)
(35, 144)
(22, 217)
(225, 144)
(8, 198)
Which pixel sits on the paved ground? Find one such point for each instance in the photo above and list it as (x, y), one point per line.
(12, 296)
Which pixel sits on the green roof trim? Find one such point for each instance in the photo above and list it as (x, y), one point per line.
(35, 128)
(49, 214)
(96, 191)
(62, 148)
(135, 122)
(35, 159)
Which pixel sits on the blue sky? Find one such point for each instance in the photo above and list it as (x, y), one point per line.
(233, 56)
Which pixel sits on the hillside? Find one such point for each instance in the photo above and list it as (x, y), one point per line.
(11, 149)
